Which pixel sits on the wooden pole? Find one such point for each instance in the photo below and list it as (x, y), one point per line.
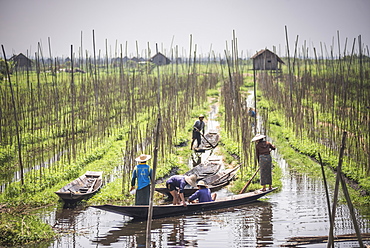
(255, 107)
(348, 198)
(152, 186)
(336, 189)
(289, 67)
(331, 234)
(346, 194)
(15, 118)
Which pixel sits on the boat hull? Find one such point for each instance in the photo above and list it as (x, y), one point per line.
(215, 182)
(161, 211)
(81, 188)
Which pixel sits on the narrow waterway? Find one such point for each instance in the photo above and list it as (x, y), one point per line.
(298, 209)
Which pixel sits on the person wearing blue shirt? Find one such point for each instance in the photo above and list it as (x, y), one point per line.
(176, 185)
(143, 175)
(203, 194)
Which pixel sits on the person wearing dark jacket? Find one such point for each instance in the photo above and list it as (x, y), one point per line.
(143, 175)
(198, 128)
(263, 149)
(176, 185)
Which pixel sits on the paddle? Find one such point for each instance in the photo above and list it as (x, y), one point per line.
(249, 182)
(205, 138)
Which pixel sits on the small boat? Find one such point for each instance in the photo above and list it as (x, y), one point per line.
(208, 168)
(215, 182)
(210, 140)
(140, 212)
(82, 187)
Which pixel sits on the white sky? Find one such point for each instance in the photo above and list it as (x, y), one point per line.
(258, 24)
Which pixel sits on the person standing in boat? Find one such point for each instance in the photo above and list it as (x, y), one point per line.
(198, 127)
(252, 112)
(203, 194)
(143, 175)
(263, 149)
(176, 184)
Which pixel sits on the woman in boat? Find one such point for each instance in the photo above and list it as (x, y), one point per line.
(198, 127)
(176, 185)
(263, 149)
(203, 194)
(143, 175)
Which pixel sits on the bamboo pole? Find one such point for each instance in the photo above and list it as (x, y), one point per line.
(331, 234)
(348, 199)
(152, 186)
(15, 118)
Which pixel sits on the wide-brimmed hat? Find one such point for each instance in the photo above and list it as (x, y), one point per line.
(258, 137)
(201, 115)
(191, 180)
(143, 158)
(202, 183)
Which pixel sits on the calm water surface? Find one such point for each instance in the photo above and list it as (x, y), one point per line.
(299, 209)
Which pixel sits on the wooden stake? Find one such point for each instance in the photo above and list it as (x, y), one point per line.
(15, 118)
(331, 234)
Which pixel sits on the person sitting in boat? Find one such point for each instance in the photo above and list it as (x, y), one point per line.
(176, 184)
(143, 174)
(198, 127)
(203, 194)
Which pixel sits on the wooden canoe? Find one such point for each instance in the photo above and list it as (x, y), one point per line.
(215, 182)
(205, 169)
(140, 212)
(82, 187)
(210, 140)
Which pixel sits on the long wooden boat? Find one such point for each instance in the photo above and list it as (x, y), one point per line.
(82, 187)
(140, 212)
(215, 182)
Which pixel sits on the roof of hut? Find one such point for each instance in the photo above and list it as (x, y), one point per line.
(260, 53)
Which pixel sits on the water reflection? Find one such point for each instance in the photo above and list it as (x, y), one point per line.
(238, 227)
(299, 209)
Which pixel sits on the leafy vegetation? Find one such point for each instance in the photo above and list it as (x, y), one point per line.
(102, 119)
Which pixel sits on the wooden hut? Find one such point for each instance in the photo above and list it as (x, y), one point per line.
(266, 60)
(160, 59)
(21, 60)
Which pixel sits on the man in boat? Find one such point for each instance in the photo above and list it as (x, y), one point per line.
(251, 112)
(198, 127)
(263, 149)
(203, 194)
(176, 185)
(142, 174)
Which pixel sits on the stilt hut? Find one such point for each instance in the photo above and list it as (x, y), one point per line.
(266, 60)
(160, 59)
(21, 60)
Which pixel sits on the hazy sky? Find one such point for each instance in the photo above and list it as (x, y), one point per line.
(257, 24)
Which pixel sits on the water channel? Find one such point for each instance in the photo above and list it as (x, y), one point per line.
(298, 209)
